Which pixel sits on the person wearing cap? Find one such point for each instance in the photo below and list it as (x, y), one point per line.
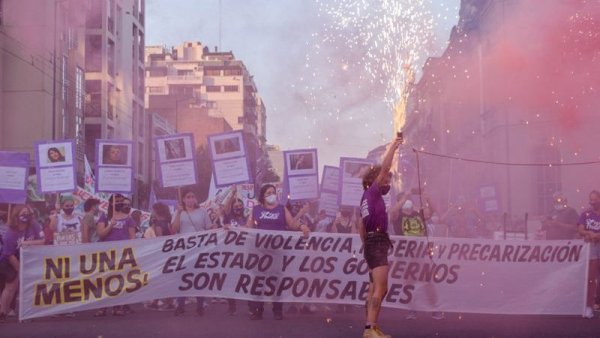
(561, 223)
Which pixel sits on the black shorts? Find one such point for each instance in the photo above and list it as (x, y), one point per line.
(377, 246)
(7, 272)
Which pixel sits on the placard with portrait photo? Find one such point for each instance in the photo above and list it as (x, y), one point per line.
(301, 162)
(226, 145)
(55, 166)
(229, 160)
(176, 160)
(114, 166)
(301, 176)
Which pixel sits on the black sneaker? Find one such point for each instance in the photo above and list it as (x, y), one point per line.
(256, 316)
(278, 316)
(179, 311)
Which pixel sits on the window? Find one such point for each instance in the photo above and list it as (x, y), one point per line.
(232, 71)
(1, 11)
(93, 53)
(94, 16)
(110, 14)
(78, 89)
(213, 89)
(63, 79)
(212, 71)
(231, 88)
(548, 178)
(93, 97)
(157, 72)
(140, 156)
(111, 57)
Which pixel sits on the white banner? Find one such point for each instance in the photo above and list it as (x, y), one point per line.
(461, 275)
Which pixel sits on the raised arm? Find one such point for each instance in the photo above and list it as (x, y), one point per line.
(387, 160)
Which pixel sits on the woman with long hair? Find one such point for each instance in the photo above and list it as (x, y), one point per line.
(116, 226)
(54, 155)
(190, 218)
(23, 230)
(373, 229)
(271, 215)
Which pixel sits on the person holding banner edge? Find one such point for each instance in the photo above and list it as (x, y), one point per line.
(195, 219)
(269, 214)
(23, 230)
(373, 229)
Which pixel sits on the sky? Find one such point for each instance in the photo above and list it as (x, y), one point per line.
(329, 72)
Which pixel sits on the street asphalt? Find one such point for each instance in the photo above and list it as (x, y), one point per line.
(216, 323)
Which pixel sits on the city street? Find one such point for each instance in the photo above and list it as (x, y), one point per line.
(217, 323)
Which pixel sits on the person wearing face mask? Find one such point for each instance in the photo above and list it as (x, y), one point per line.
(116, 226)
(91, 207)
(160, 221)
(589, 228)
(66, 225)
(373, 230)
(23, 230)
(561, 223)
(271, 215)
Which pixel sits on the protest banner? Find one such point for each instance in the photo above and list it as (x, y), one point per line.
(350, 177)
(55, 166)
(14, 167)
(176, 160)
(301, 175)
(439, 274)
(228, 158)
(114, 166)
(328, 200)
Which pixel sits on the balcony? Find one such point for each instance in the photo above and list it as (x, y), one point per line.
(173, 79)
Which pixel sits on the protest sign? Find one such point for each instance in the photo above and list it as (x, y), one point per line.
(328, 200)
(114, 166)
(14, 169)
(301, 177)
(55, 166)
(229, 160)
(351, 173)
(439, 274)
(176, 160)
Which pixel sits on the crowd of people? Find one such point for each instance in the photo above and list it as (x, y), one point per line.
(409, 215)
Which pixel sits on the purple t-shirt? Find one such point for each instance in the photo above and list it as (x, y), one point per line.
(13, 238)
(372, 209)
(591, 220)
(269, 219)
(120, 231)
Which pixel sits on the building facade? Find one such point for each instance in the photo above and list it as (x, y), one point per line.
(521, 106)
(42, 68)
(206, 92)
(114, 82)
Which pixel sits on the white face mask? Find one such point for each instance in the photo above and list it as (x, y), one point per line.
(271, 199)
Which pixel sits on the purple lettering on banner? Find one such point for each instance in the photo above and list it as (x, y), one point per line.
(14, 167)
